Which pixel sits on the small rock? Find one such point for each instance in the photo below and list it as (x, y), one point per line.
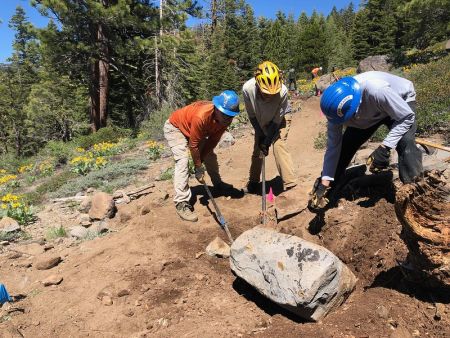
(218, 248)
(86, 224)
(48, 263)
(199, 254)
(78, 232)
(199, 276)
(52, 280)
(382, 312)
(145, 209)
(107, 300)
(401, 332)
(48, 246)
(145, 288)
(25, 265)
(85, 205)
(123, 292)
(9, 225)
(137, 303)
(99, 228)
(90, 190)
(104, 293)
(36, 322)
(128, 313)
(4, 243)
(14, 255)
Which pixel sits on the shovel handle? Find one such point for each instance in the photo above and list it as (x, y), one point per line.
(431, 144)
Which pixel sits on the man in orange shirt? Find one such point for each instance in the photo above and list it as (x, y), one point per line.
(198, 127)
(315, 76)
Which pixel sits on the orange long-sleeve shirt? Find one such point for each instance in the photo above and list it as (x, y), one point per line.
(196, 122)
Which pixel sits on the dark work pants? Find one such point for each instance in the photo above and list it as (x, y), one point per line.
(292, 81)
(409, 157)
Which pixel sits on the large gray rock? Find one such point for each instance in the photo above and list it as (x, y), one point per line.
(376, 62)
(227, 140)
(325, 81)
(302, 277)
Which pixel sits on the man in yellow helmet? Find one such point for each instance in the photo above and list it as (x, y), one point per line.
(266, 103)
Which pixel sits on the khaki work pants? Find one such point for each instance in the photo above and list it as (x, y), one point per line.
(283, 158)
(178, 144)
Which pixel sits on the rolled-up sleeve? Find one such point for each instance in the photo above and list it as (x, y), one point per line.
(334, 144)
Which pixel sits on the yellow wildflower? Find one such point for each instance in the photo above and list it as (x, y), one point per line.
(7, 178)
(25, 168)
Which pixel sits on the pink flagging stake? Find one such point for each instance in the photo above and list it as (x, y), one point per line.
(270, 196)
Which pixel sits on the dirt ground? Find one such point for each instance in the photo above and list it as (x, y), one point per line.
(163, 285)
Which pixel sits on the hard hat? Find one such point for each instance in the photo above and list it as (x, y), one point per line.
(341, 100)
(267, 77)
(227, 102)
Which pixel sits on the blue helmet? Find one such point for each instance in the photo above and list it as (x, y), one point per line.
(341, 100)
(227, 102)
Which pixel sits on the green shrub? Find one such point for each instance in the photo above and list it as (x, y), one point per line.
(432, 84)
(55, 232)
(153, 127)
(61, 151)
(109, 178)
(167, 174)
(320, 142)
(107, 134)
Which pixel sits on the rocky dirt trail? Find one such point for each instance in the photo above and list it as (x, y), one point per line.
(151, 278)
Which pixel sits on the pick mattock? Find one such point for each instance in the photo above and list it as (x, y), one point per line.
(223, 223)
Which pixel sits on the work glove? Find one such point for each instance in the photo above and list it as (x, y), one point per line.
(379, 159)
(318, 194)
(200, 174)
(264, 148)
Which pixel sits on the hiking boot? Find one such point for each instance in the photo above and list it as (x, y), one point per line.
(186, 212)
(252, 188)
(223, 187)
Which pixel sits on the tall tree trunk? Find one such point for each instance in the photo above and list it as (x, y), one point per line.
(94, 97)
(213, 15)
(103, 66)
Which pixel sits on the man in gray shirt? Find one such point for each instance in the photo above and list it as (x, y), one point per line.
(362, 104)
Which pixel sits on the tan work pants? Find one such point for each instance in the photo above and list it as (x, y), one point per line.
(178, 144)
(283, 158)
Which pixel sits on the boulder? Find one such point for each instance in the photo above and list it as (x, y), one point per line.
(102, 206)
(325, 81)
(376, 62)
(47, 263)
(305, 278)
(227, 140)
(8, 225)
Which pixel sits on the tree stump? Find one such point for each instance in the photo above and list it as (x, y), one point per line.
(423, 208)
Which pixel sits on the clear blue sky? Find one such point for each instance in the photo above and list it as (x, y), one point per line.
(266, 8)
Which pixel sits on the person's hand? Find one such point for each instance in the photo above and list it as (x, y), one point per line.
(200, 174)
(379, 159)
(318, 199)
(264, 148)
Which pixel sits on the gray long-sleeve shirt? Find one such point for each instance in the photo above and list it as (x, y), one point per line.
(268, 111)
(383, 95)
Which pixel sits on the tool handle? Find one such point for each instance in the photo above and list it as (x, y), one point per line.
(431, 144)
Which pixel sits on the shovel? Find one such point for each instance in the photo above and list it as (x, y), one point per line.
(223, 223)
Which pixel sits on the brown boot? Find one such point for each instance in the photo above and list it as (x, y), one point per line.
(186, 212)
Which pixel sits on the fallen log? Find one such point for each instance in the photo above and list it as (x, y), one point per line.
(423, 208)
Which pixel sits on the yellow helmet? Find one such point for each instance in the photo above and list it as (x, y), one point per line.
(267, 77)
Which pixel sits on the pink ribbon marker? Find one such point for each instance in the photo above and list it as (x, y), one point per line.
(271, 196)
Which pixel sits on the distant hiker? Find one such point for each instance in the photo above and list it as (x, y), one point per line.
(291, 79)
(362, 104)
(315, 72)
(266, 102)
(198, 127)
(315, 77)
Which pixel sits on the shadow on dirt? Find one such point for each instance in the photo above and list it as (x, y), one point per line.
(395, 279)
(249, 293)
